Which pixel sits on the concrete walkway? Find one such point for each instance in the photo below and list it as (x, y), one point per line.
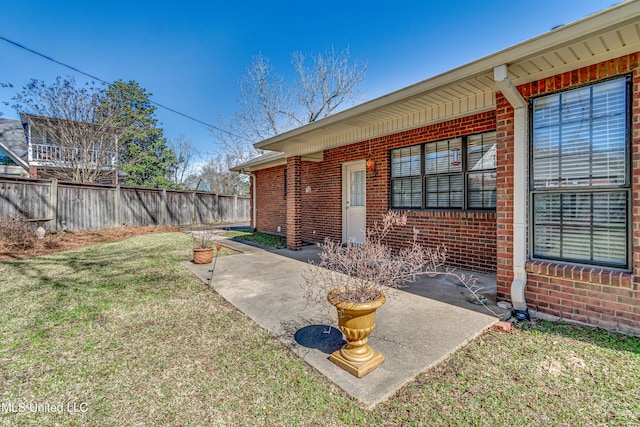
(413, 331)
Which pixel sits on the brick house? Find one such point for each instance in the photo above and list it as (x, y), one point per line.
(13, 149)
(525, 163)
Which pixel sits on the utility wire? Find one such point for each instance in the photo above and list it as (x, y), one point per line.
(48, 58)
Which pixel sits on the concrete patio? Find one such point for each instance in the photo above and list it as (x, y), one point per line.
(417, 328)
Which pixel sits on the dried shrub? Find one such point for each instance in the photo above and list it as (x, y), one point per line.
(203, 239)
(16, 233)
(363, 271)
(51, 242)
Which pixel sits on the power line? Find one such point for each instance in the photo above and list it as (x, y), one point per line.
(48, 58)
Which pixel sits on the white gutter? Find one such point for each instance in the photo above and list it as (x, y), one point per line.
(520, 143)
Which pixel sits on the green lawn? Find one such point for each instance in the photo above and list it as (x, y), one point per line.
(126, 334)
(263, 239)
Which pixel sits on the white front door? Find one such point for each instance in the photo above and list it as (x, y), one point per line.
(354, 197)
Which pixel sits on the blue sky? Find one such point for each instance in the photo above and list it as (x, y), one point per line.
(190, 54)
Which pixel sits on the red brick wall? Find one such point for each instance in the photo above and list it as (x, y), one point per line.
(606, 298)
(322, 198)
(272, 205)
(601, 297)
(469, 236)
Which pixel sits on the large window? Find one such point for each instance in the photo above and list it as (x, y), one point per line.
(457, 173)
(580, 185)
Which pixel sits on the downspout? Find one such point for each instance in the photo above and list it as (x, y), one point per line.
(520, 188)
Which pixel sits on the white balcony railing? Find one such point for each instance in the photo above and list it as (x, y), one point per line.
(53, 155)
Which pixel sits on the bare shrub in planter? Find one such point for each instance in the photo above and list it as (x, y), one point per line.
(363, 271)
(203, 247)
(354, 279)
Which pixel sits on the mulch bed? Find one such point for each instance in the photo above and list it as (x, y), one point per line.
(63, 241)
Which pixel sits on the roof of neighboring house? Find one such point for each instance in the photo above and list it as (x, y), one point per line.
(471, 88)
(13, 140)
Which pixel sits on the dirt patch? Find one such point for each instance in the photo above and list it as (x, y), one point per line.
(62, 241)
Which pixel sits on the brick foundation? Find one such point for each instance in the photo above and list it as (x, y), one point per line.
(609, 299)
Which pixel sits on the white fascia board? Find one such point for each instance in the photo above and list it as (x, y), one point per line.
(272, 161)
(262, 162)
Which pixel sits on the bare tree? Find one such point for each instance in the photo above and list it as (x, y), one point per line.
(186, 155)
(264, 111)
(325, 85)
(266, 107)
(72, 134)
(270, 106)
(220, 179)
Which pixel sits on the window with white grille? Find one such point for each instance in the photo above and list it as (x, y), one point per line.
(457, 173)
(580, 178)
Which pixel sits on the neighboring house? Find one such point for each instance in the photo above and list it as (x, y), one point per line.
(13, 149)
(28, 148)
(525, 163)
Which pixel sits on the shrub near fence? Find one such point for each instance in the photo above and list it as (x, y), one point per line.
(91, 206)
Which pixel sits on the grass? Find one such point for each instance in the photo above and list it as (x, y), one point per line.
(127, 331)
(263, 239)
(544, 374)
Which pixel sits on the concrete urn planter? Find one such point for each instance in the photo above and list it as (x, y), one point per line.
(356, 321)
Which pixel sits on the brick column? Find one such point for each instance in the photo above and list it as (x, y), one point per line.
(504, 190)
(294, 202)
(252, 202)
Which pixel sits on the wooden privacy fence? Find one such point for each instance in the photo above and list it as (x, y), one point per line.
(60, 205)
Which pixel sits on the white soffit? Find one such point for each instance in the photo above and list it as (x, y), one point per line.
(595, 48)
(470, 89)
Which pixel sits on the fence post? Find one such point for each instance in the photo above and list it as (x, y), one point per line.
(53, 204)
(116, 203)
(164, 208)
(218, 215)
(235, 207)
(193, 207)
